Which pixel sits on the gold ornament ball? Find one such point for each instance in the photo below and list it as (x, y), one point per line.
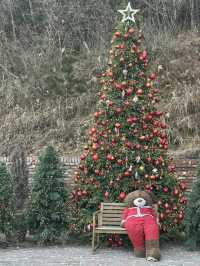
(141, 168)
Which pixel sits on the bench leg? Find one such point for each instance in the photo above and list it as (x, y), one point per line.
(95, 242)
(98, 238)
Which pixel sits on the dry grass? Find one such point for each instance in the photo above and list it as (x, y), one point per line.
(180, 85)
(55, 122)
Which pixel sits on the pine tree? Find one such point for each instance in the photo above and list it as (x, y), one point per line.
(47, 214)
(19, 173)
(192, 215)
(127, 147)
(6, 202)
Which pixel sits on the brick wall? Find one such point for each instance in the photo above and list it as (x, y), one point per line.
(70, 164)
(185, 168)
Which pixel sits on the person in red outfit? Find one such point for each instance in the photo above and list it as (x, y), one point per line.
(140, 222)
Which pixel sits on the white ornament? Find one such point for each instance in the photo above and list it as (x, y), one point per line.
(130, 168)
(128, 13)
(135, 99)
(167, 115)
(138, 159)
(123, 94)
(155, 170)
(136, 175)
(117, 131)
(125, 72)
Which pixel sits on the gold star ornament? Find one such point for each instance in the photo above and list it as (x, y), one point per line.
(128, 13)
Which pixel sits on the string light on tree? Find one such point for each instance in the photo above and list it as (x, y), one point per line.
(135, 99)
(155, 170)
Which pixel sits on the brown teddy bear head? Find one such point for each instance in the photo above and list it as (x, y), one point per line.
(134, 199)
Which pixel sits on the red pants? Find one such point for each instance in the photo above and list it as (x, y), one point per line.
(140, 229)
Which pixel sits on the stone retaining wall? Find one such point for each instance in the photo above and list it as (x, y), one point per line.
(185, 168)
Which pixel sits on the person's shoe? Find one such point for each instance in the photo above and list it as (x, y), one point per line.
(151, 259)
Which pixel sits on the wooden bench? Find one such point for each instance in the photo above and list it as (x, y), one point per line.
(107, 221)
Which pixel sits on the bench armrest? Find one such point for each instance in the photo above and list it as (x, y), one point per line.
(95, 215)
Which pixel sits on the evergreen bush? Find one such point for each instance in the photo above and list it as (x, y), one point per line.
(47, 211)
(6, 202)
(192, 215)
(19, 173)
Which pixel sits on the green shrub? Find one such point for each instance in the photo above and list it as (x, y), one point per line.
(20, 182)
(47, 211)
(6, 202)
(192, 216)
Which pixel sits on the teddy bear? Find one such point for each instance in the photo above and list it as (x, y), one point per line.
(139, 219)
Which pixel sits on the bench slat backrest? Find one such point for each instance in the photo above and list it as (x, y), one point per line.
(111, 213)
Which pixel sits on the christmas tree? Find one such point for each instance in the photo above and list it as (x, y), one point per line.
(47, 213)
(128, 145)
(192, 215)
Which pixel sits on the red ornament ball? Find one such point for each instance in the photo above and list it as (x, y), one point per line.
(138, 146)
(118, 34)
(127, 173)
(129, 91)
(95, 146)
(106, 194)
(152, 76)
(122, 195)
(166, 205)
(176, 192)
(93, 130)
(95, 157)
(122, 46)
(119, 161)
(79, 193)
(82, 157)
(118, 110)
(142, 138)
(131, 30)
(126, 35)
(139, 92)
(117, 125)
(118, 86)
(182, 186)
(153, 177)
(119, 243)
(84, 193)
(165, 189)
(180, 216)
(110, 157)
(96, 114)
(109, 242)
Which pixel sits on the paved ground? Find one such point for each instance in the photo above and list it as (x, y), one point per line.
(81, 256)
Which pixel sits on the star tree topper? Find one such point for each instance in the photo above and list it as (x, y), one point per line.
(128, 13)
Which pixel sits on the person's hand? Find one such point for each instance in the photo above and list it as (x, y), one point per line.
(122, 223)
(158, 222)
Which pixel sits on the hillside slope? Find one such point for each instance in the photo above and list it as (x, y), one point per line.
(63, 120)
